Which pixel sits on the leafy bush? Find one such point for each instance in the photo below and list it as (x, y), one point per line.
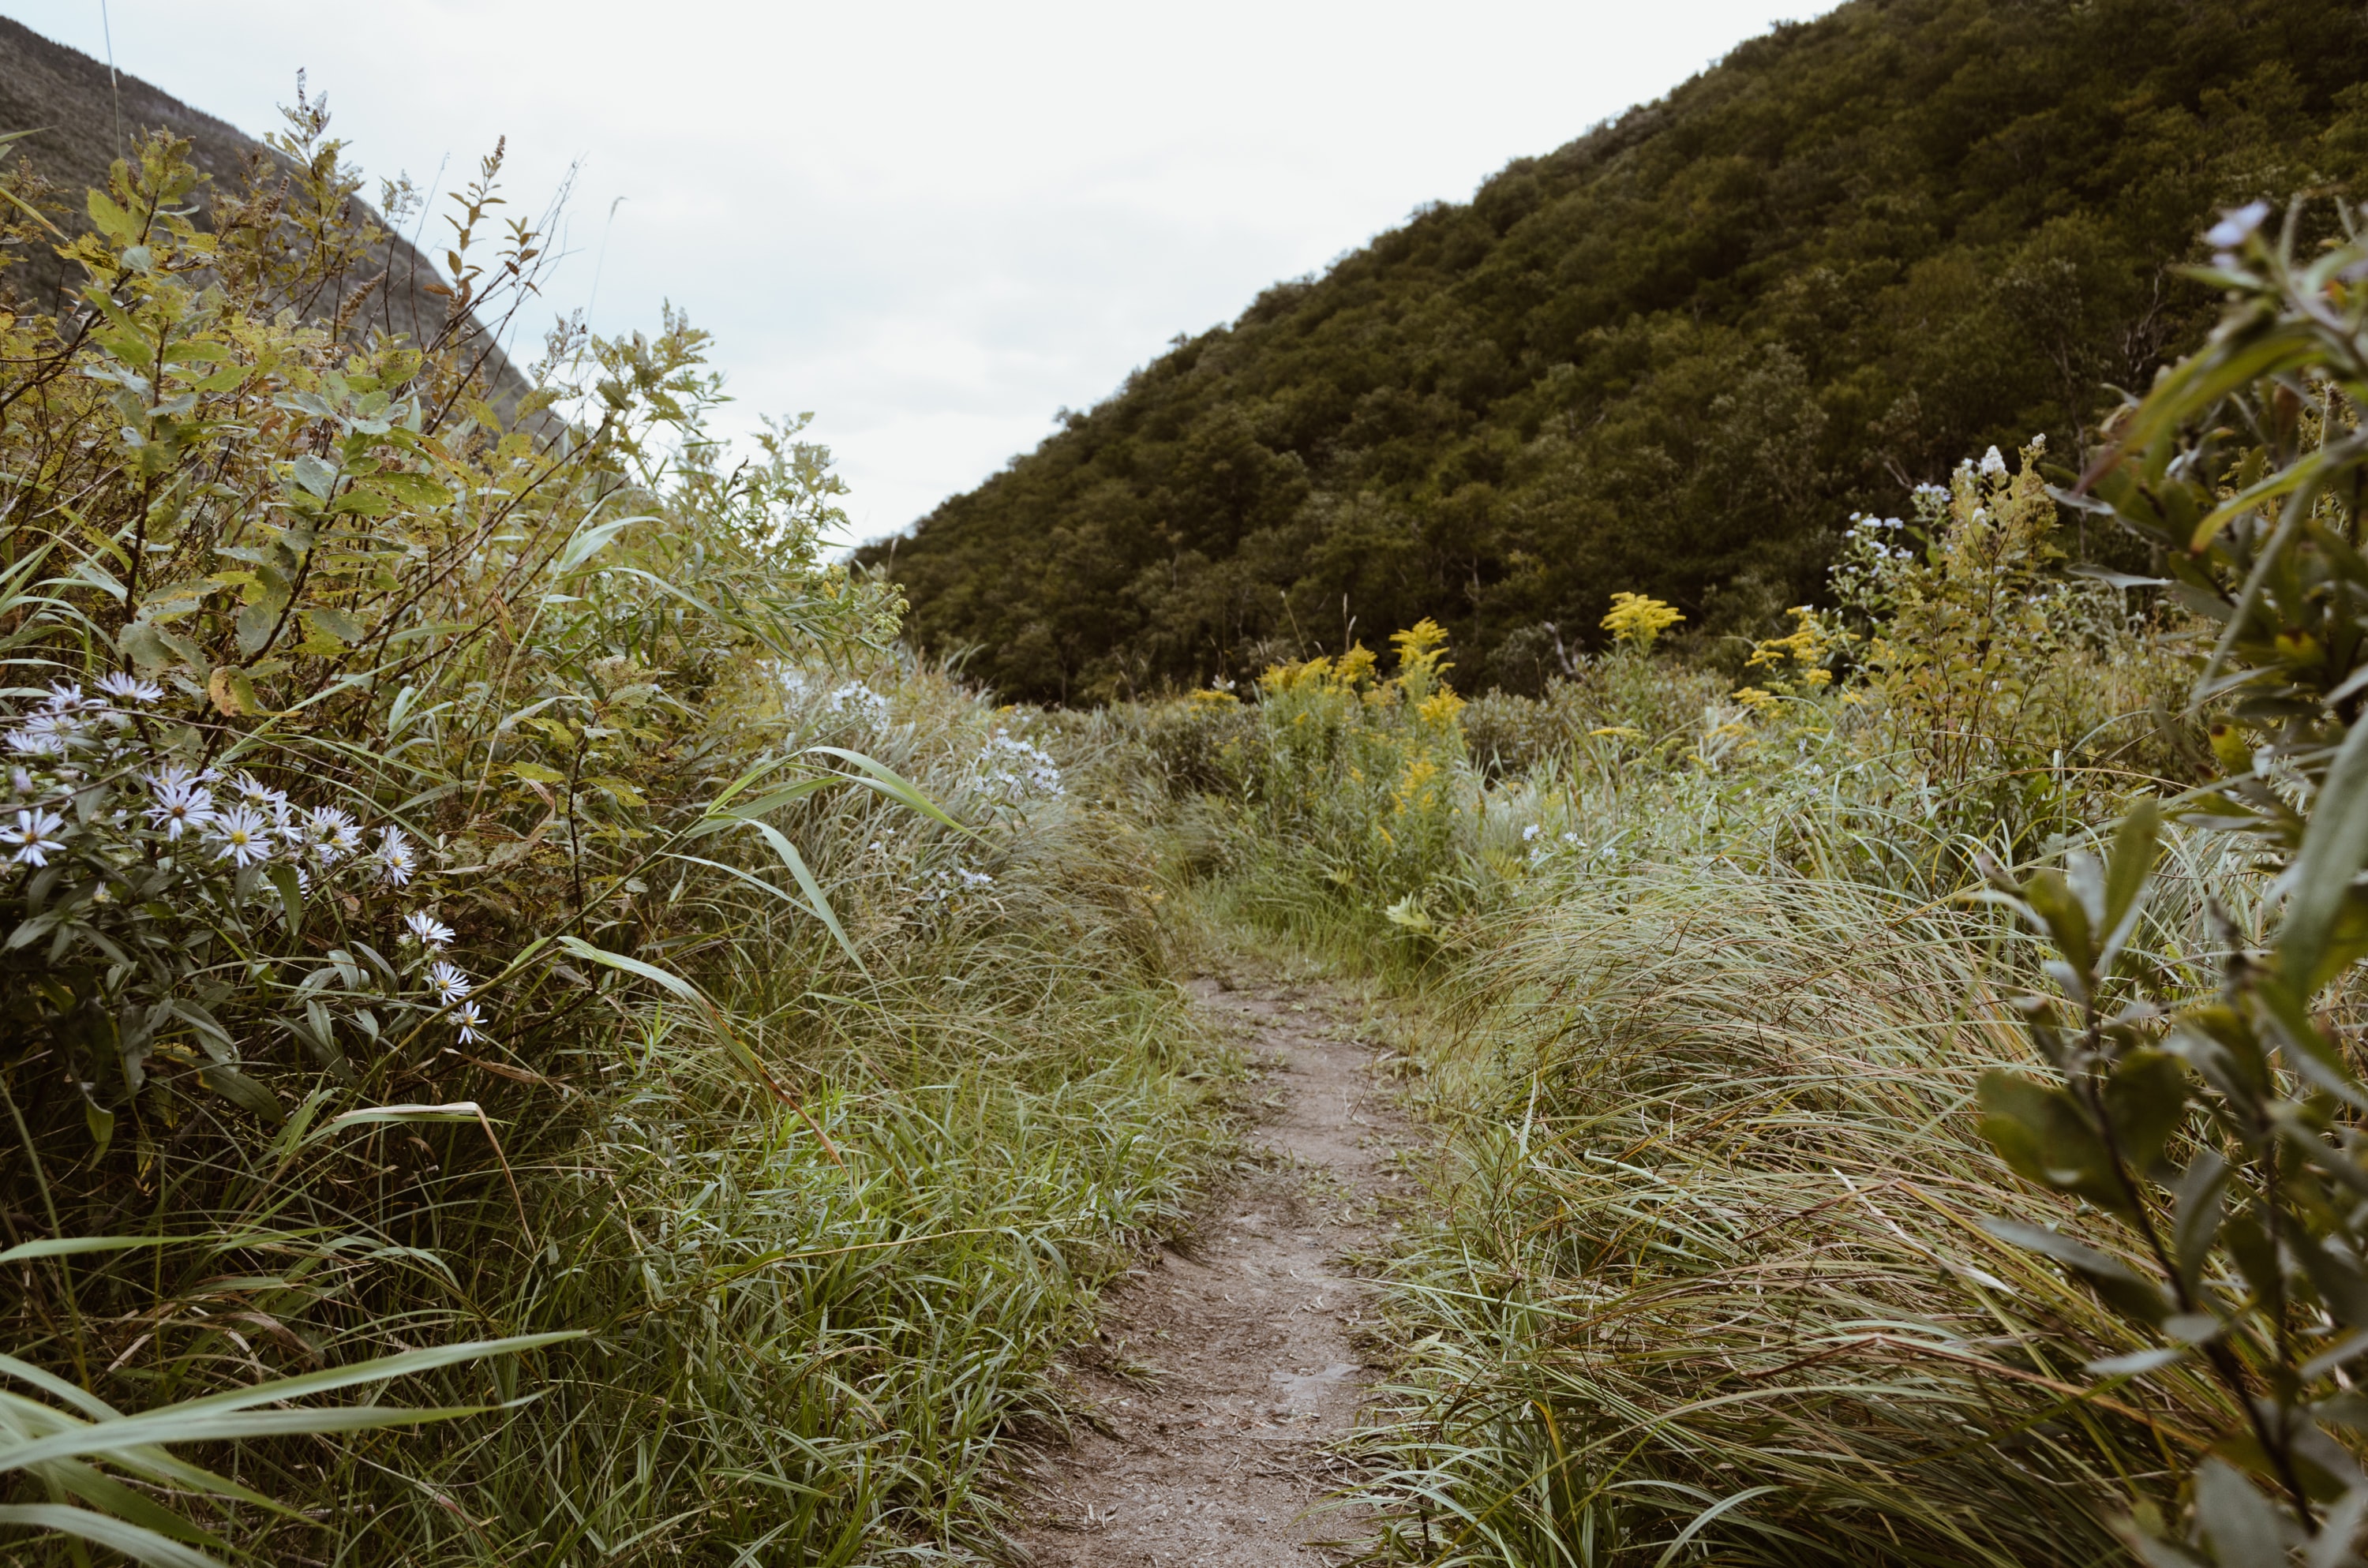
(1710, 1277)
(476, 871)
(2217, 1127)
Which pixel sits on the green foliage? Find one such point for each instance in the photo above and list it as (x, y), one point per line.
(472, 869)
(56, 1445)
(1967, 653)
(2222, 1132)
(1665, 359)
(1709, 1274)
(1367, 775)
(1803, 1204)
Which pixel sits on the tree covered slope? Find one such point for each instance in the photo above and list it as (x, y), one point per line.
(1672, 356)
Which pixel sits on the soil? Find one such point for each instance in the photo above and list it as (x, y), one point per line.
(1226, 1369)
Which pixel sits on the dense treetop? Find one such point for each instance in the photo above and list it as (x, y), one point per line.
(1671, 357)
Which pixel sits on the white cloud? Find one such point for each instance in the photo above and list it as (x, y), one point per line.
(934, 223)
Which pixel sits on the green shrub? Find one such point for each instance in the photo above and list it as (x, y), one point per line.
(475, 871)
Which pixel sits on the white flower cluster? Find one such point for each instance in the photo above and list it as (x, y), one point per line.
(79, 771)
(845, 700)
(1009, 769)
(958, 885)
(95, 801)
(1867, 533)
(1540, 853)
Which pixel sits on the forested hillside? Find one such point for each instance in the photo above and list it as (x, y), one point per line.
(1673, 356)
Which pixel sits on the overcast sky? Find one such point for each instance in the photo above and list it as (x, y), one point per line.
(934, 225)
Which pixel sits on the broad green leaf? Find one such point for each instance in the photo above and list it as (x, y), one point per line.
(240, 1090)
(282, 877)
(2146, 1099)
(621, 790)
(649, 971)
(893, 784)
(2244, 1529)
(2340, 1285)
(335, 624)
(140, 643)
(789, 856)
(415, 490)
(2049, 894)
(100, 1121)
(2113, 1281)
(316, 476)
(591, 540)
(2038, 1130)
(2334, 848)
(2136, 843)
(2197, 1214)
(232, 691)
(108, 219)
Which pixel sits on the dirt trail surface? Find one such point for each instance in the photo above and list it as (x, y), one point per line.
(1226, 1368)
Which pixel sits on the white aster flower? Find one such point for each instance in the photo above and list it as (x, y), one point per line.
(1530, 831)
(243, 835)
(2236, 226)
(451, 986)
(333, 833)
(177, 801)
(472, 1022)
(427, 930)
(34, 838)
(67, 697)
(40, 735)
(396, 859)
(262, 797)
(130, 688)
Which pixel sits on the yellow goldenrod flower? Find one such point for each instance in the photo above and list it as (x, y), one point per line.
(1636, 620)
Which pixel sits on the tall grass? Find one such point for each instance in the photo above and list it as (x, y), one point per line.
(1701, 1011)
(1711, 1278)
(759, 1036)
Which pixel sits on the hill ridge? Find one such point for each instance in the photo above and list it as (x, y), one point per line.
(67, 100)
(1672, 355)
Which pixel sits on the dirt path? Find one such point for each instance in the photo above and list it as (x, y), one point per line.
(1226, 1369)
